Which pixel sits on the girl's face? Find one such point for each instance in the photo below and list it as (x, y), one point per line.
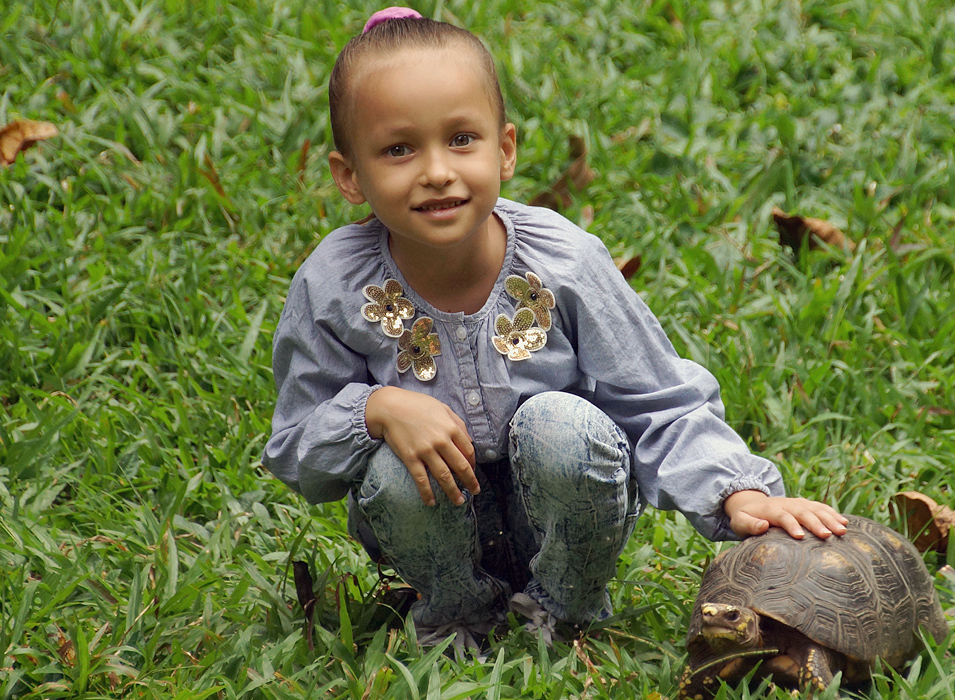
(427, 149)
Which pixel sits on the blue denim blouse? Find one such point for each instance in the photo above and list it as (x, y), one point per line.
(599, 341)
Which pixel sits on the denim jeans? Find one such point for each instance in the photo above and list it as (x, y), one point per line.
(550, 520)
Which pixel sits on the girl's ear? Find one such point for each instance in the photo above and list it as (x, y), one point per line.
(508, 151)
(345, 177)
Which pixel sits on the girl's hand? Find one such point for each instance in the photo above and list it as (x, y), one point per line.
(427, 436)
(753, 513)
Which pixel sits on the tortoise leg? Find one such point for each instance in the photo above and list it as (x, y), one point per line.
(818, 667)
(703, 681)
(783, 669)
(696, 684)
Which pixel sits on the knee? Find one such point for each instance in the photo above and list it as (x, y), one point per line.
(555, 434)
(387, 486)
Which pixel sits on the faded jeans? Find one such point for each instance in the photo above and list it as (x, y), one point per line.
(551, 520)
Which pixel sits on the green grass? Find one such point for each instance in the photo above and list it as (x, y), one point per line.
(145, 253)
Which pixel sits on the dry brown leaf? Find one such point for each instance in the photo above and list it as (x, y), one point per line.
(930, 522)
(895, 241)
(63, 97)
(304, 591)
(303, 161)
(19, 135)
(212, 176)
(64, 648)
(794, 231)
(628, 266)
(577, 176)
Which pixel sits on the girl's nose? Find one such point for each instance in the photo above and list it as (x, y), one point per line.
(438, 171)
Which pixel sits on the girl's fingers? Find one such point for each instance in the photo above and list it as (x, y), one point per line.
(748, 525)
(751, 514)
(419, 473)
(442, 471)
(461, 460)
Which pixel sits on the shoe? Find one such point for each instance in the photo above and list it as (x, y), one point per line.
(470, 639)
(540, 623)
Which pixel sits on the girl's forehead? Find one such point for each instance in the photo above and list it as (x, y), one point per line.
(418, 57)
(420, 70)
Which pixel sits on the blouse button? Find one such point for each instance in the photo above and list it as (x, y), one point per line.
(461, 332)
(490, 454)
(473, 398)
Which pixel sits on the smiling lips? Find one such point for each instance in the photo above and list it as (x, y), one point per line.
(442, 205)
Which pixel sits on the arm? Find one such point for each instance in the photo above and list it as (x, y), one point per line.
(319, 442)
(330, 416)
(685, 456)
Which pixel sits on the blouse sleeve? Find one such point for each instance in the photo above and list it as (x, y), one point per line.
(685, 456)
(319, 442)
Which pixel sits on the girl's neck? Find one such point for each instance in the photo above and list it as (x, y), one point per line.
(455, 280)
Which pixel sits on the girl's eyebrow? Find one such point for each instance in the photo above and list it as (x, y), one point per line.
(399, 131)
(466, 118)
(454, 121)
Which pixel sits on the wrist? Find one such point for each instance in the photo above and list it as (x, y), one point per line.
(738, 500)
(376, 410)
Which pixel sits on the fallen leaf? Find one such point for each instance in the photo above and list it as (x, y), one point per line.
(213, 177)
(303, 161)
(794, 231)
(63, 97)
(929, 522)
(306, 597)
(65, 649)
(19, 135)
(628, 266)
(671, 15)
(575, 178)
(895, 241)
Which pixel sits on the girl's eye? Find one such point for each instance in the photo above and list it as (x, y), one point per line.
(397, 151)
(462, 140)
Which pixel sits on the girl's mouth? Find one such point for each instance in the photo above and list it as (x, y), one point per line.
(441, 206)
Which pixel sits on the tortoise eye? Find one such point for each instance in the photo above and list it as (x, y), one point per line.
(732, 616)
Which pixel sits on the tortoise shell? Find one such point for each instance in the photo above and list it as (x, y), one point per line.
(864, 594)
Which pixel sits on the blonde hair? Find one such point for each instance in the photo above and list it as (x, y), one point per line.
(394, 35)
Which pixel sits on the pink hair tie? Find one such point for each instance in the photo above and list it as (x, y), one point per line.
(389, 13)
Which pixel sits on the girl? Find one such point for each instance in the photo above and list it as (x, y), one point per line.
(495, 400)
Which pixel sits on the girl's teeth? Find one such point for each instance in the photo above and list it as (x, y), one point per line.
(447, 205)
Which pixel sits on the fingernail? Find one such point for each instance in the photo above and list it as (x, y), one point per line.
(459, 501)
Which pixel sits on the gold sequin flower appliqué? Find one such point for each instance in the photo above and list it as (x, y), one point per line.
(515, 337)
(387, 306)
(418, 348)
(531, 294)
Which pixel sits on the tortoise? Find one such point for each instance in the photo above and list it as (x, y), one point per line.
(803, 610)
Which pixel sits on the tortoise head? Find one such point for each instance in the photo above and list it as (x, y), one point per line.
(730, 627)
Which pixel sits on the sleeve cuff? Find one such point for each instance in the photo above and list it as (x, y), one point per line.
(358, 418)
